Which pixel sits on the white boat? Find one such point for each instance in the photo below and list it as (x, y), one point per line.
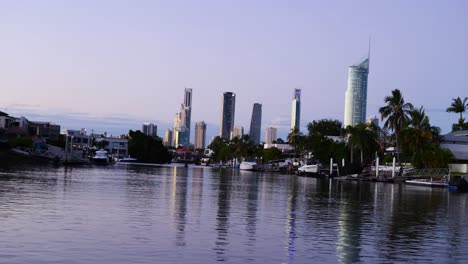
(429, 182)
(249, 164)
(125, 160)
(205, 161)
(101, 157)
(310, 167)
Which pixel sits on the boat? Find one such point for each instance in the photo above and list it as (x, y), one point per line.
(310, 167)
(249, 164)
(205, 161)
(430, 182)
(126, 160)
(101, 157)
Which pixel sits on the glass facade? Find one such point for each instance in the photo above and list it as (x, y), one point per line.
(256, 123)
(356, 94)
(227, 114)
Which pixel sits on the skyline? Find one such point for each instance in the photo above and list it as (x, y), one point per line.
(127, 63)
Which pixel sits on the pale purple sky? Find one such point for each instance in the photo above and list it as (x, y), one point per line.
(126, 62)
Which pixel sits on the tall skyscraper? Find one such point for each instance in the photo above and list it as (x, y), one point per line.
(182, 121)
(296, 110)
(356, 94)
(256, 123)
(237, 132)
(270, 135)
(149, 129)
(168, 142)
(227, 114)
(200, 135)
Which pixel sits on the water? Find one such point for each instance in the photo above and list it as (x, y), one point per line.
(204, 215)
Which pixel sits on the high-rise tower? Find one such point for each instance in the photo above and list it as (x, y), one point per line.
(200, 135)
(256, 123)
(227, 114)
(270, 135)
(296, 110)
(182, 121)
(356, 94)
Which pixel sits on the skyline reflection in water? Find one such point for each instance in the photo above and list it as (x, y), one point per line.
(130, 214)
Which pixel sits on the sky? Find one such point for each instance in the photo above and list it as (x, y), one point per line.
(111, 65)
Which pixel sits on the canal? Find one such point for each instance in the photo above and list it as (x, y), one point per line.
(133, 214)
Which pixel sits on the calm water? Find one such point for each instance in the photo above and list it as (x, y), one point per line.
(202, 215)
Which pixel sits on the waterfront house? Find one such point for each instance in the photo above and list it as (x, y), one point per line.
(457, 143)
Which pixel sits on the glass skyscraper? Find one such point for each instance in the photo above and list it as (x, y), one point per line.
(356, 94)
(227, 114)
(256, 123)
(182, 121)
(296, 110)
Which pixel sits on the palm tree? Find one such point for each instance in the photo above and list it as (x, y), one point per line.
(294, 139)
(397, 114)
(418, 134)
(362, 138)
(459, 106)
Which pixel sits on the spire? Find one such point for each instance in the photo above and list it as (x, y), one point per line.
(368, 53)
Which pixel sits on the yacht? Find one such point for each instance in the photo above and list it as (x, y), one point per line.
(249, 164)
(310, 167)
(101, 157)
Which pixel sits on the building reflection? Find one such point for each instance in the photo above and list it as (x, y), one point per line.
(197, 191)
(222, 215)
(252, 206)
(180, 177)
(354, 199)
(291, 218)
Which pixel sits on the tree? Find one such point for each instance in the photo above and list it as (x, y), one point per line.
(326, 127)
(459, 106)
(295, 139)
(363, 138)
(146, 148)
(219, 148)
(272, 154)
(423, 142)
(396, 112)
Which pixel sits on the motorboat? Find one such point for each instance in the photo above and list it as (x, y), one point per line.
(249, 164)
(205, 161)
(125, 160)
(310, 167)
(101, 157)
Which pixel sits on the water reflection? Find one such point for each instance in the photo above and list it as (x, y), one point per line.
(180, 177)
(223, 187)
(201, 215)
(291, 218)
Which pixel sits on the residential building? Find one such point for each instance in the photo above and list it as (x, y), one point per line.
(237, 132)
(296, 110)
(182, 121)
(256, 123)
(116, 145)
(373, 120)
(271, 134)
(45, 130)
(149, 129)
(356, 94)
(281, 147)
(78, 139)
(5, 120)
(168, 138)
(200, 135)
(457, 143)
(228, 114)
